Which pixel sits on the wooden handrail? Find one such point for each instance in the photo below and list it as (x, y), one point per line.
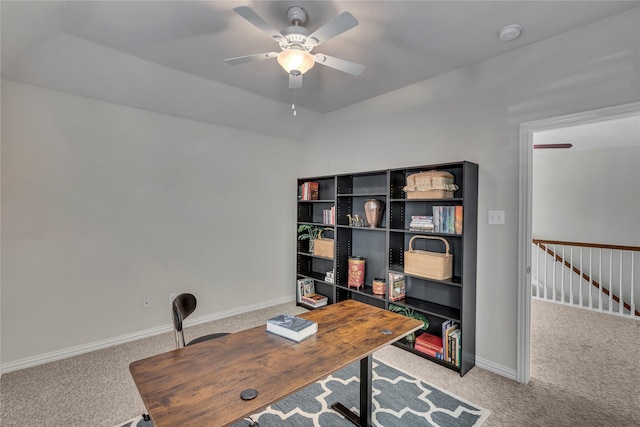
(587, 245)
(576, 270)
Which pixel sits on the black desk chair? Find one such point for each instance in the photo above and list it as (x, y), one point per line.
(183, 306)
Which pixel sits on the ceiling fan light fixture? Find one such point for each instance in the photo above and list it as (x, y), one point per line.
(294, 60)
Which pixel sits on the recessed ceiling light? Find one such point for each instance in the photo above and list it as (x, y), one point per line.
(510, 32)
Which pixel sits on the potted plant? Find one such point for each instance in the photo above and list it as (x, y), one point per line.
(310, 232)
(409, 312)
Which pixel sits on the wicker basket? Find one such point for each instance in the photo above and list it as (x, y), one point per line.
(430, 185)
(323, 247)
(430, 194)
(431, 265)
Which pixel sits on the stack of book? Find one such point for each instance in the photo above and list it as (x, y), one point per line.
(314, 300)
(307, 296)
(429, 344)
(421, 223)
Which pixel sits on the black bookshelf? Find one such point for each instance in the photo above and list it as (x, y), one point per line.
(383, 247)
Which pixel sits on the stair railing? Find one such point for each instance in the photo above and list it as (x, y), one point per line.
(593, 276)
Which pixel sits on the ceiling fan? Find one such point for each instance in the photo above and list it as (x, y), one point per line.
(296, 43)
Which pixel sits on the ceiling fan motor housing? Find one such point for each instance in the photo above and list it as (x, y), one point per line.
(295, 34)
(296, 15)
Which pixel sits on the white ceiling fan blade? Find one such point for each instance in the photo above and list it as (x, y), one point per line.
(338, 25)
(339, 64)
(250, 58)
(295, 82)
(247, 13)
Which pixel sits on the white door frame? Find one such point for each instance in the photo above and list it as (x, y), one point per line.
(527, 130)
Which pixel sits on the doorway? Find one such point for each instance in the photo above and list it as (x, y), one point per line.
(528, 132)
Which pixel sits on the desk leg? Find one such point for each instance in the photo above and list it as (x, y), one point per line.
(364, 420)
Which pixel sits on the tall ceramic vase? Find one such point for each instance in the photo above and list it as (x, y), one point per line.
(373, 212)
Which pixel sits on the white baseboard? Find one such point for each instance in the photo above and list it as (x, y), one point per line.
(97, 345)
(495, 368)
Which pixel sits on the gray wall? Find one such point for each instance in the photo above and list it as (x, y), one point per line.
(474, 114)
(103, 204)
(590, 196)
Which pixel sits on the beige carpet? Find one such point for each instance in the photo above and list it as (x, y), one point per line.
(585, 369)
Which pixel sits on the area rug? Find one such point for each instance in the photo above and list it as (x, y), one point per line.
(399, 400)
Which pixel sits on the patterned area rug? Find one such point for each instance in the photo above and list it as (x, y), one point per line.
(399, 400)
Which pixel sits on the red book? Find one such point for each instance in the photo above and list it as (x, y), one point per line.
(458, 220)
(313, 191)
(425, 350)
(432, 342)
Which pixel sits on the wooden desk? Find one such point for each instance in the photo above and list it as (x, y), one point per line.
(200, 385)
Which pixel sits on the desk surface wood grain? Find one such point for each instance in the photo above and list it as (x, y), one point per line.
(200, 385)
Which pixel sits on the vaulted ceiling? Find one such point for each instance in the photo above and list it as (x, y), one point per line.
(96, 48)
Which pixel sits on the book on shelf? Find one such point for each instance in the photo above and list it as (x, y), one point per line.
(430, 341)
(447, 219)
(315, 300)
(445, 325)
(436, 219)
(305, 286)
(291, 327)
(427, 350)
(329, 216)
(452, 219)
(309, 191)
(444, 218)
(421, 223)
(397, 287)
(454, 347)
(448, 328)
(458, 220)
(429, 344)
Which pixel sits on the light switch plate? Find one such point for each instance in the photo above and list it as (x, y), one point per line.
(496, 217)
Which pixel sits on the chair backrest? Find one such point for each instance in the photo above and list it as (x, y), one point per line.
(183, 306)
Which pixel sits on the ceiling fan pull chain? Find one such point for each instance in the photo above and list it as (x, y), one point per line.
(293, 103)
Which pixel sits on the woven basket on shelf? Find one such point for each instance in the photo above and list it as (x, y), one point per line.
(322, 246)
(430, 194)
(430, 185)
(431, 265)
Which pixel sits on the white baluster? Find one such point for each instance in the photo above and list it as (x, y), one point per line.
(610, 281)
(590, 278)
(562, 281)
(600, 279)
(633, 285)
(621, 295)
(571, 277)
(580, 279)
(553, 281)
(545, 276)
(537, 271)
